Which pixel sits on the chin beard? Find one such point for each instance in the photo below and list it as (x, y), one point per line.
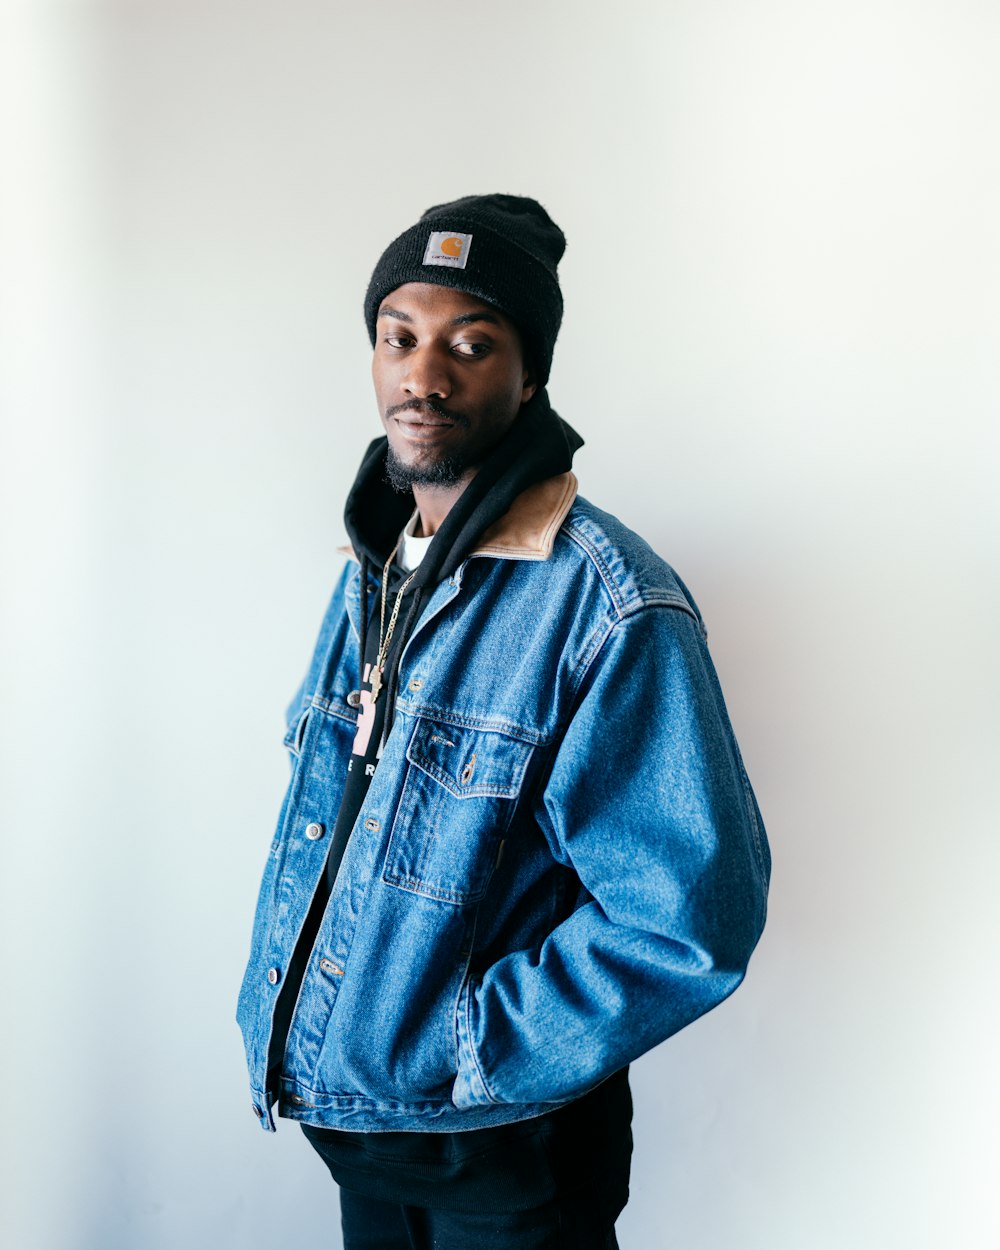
(448, 471)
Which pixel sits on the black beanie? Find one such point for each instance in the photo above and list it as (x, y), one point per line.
(503, 249)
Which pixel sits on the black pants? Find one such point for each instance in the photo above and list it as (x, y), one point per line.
(562, 1224)
(556, 1182)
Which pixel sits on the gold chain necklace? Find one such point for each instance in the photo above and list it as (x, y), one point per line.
(385, 635)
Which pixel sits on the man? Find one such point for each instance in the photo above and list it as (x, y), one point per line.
(519, 847)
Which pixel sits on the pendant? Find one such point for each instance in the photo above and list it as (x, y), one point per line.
(375, 681)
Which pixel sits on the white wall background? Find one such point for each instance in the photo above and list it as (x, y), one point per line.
(783, 313)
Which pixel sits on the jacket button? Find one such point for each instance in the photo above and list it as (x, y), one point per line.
(314, 831)
(372, 825)
(272, 975)
(257, 1111)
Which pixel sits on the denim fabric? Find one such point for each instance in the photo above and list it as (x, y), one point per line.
(560, 861)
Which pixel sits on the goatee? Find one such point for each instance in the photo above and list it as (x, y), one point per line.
(447, 471)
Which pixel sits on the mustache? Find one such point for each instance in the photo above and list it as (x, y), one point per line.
(428, 405)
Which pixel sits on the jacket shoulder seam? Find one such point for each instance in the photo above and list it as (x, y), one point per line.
(659, 597)
(599, 564)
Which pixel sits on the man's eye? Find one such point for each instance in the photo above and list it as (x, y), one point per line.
(398, 340)
(472, 349)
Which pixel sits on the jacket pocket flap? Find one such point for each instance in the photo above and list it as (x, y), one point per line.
(469, 763)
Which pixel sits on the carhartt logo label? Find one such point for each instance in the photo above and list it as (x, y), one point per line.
(448, 247)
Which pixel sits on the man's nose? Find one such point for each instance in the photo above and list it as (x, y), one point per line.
(427, 375)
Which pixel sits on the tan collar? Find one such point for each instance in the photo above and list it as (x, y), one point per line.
(527, 530)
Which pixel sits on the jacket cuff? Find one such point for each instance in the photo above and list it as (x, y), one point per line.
(262, 1104)
(469, 1089)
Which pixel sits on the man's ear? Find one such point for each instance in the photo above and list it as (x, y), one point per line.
(528, 384)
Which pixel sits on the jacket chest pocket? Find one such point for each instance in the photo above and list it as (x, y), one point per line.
(458, 798)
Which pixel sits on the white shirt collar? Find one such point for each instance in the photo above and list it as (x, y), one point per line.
(411, 548)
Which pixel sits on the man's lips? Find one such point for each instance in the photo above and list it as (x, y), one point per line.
(423, 423)
(417, 428)
(425, 414)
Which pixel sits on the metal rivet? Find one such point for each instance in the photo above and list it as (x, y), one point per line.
(372, 825)
(314, 831)
(354, 699)
(272, 975)
(416, 684)
(257, 1111)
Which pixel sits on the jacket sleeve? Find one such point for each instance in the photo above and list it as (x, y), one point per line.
(648, 801)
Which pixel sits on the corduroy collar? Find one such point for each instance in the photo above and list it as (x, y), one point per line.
(527, 530)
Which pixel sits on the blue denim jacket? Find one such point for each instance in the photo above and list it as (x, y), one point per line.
(559, 863)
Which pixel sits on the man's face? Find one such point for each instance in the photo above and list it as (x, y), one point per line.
(450, 378)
